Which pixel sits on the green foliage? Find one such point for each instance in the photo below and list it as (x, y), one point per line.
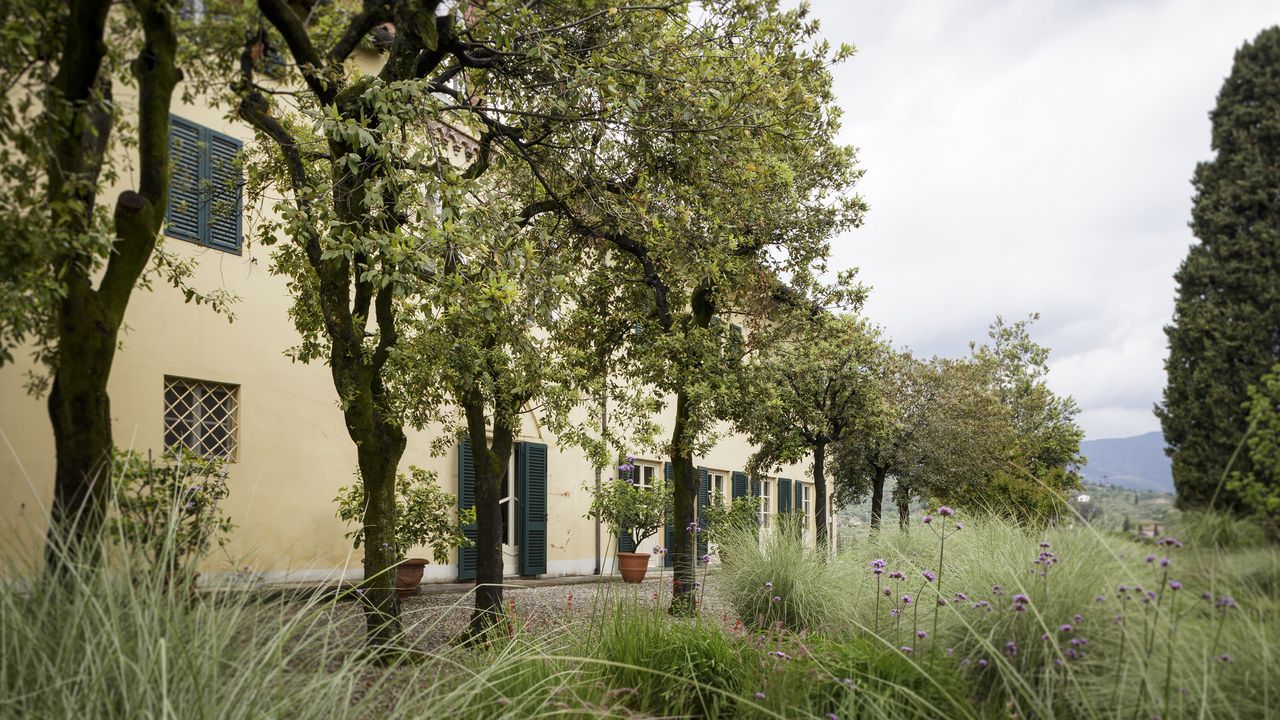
(169, 511)
(625, 507)
(814, 381)
(985, 432)
(1258, 488)
(726, 519)
(426, 516)
(1217, 529)
(1227, 311)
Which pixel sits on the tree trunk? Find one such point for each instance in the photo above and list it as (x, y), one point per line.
(820, 493)
(684, 500)
(902, 496)
(79, 411)
(877, 496)
(491, 463)
(88, 320)
(379, 458)
(684, 479)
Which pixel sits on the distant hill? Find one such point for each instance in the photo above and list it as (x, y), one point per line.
(1137, 463)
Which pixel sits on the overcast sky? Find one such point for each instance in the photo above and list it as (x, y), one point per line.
(1034, 156)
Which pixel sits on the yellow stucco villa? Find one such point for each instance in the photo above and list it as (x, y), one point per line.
(187, 376)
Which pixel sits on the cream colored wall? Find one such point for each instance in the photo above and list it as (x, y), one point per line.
(294, 450)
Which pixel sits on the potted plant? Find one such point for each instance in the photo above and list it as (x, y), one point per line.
(425, 517)
(638, 512)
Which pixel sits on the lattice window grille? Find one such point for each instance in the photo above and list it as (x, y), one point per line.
(203, 417)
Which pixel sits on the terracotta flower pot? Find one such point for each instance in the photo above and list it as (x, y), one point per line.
(409, 575)
(633, 566)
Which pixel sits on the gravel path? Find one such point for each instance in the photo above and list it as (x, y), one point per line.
(435, 617)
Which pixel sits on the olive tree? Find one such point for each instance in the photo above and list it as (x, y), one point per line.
(72, 258)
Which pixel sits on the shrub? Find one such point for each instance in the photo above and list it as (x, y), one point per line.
(168, 511)
(425, 515)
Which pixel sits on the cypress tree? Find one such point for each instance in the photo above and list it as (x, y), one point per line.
(1226, 327)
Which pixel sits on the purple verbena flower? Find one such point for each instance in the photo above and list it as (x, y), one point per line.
(922, 634)
(777, 599)
(1021, 599)
(945, 511)
(1175, 585)
(928, 576)
(906, 599)
(927, 519)
(1065, 628)
(906, 649)
(759, 696)
(1011, 648)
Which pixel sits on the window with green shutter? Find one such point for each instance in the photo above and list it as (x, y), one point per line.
(739, 485)
(669, 532)
(784, 495)
(467, 499)
(531, 497)
(205, 204)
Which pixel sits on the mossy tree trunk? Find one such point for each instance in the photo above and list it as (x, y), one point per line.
(491, 459)
(684, 479)
(88, 319)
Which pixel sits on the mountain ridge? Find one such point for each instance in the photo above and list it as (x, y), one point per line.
(1137, 462)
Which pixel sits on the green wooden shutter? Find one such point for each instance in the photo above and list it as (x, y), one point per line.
(784, 495)
(739, 486)
(669, 532)
(467, 499)
(182, 216)
(531, 497)
(756, 490)
(224, 211)
(205, 204)
(800, 498)
(704, 501)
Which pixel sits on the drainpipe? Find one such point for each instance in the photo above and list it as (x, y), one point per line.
(604, 428)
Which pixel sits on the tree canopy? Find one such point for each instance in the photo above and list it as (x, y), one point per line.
(1227, 310)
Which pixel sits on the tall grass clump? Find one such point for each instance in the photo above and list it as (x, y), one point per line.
(1067, 622)
(1216, 529)
(774, 577)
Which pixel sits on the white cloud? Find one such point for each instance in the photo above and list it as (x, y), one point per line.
(1034, 156)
